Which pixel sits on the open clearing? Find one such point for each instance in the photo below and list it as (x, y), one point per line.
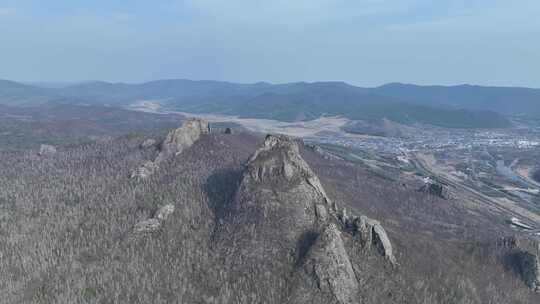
(312, 128)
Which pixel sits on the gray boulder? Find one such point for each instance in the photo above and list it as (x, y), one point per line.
(372, 234)
(383, 244)
(279, 165)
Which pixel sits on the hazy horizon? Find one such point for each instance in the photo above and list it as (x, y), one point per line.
(62, 84)
(365, 43)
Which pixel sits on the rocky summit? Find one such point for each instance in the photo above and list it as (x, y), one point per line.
(176, 141)
(280, 228)
(284, 229)
(183, 137)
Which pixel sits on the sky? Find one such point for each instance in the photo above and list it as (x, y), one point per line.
(362, 42)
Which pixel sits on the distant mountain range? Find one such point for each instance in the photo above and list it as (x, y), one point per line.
(458, 106)
(504, 100)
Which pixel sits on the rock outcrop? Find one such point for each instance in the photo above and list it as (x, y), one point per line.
(328, 264)
(382, 242)
(373, 235)
(279, 189)
(175, 143)
(46, 150)
(182, 138)
(508, 243)
(282, 218)
(154, 224)
(530, 270)
(279, 159)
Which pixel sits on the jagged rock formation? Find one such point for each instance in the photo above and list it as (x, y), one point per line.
(46, 150)
(279, 159)
(282, 218)
(281, 227)
(176, 141)
(182, 138)
(371, 234)
(327, 262)
(278, 189)
(153, 224)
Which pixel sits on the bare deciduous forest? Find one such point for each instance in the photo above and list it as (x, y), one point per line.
(66, 231)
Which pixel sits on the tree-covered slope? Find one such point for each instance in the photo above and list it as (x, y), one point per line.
(68, 230)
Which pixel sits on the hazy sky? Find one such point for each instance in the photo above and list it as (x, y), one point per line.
(364, 42)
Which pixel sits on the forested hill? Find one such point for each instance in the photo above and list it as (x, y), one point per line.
(460, 106)
(203, 217)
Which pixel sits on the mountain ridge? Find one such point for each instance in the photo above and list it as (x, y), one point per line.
(462, 106)
(504, 100)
